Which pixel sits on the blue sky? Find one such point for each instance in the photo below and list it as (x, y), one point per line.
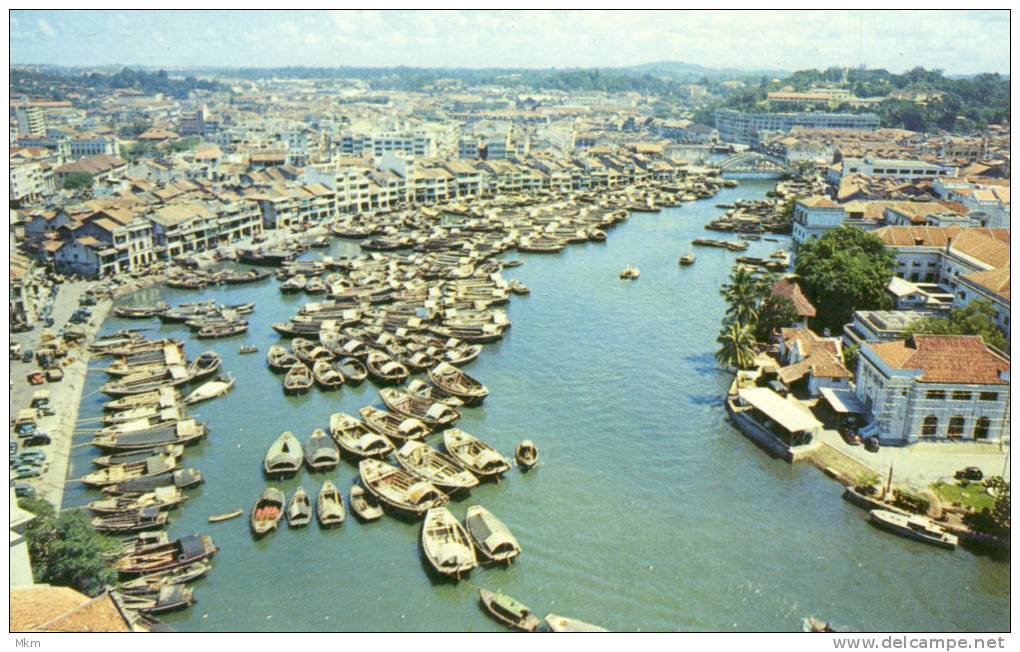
(958, 42)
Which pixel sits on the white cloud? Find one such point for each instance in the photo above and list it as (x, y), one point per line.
(46, 29)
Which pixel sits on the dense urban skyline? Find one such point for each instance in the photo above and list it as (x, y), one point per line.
(533, 39)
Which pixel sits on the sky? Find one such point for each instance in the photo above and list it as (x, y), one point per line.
(957, 42)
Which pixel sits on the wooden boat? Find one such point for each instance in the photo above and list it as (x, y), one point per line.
(225, 330)
(145, 518)
(299, 509)
(816, 626)
(455, 382)
(385, 369)
(284, 457)
(298, 379)
(321, 453)
(150, 467)
(180, 479)
(438, 468)
(212, 389)
(490, 535)
(353, 370)
(630, 273)
(399, 489)
(462, 355)
(356, 438)
(140, 542)
(139, 312)
(205, 365)
(248, 348)
(326, 376)
(527, 454)
(141, 383)
(183, 575)
(508, 611)
(364, 505)
(280, 359)
(474, 455)
(161, 600)
(308, 351)
(162, 498)
(295, 283)
(219, 518)
(422, 389)
(162, 397)
(687, 259)
(563, 624)
(392, 426)
(182, 552)
(919, 528)
(267, 511)
(173, 450)
(315, 286)
(151, 415)
(238, 278)
(446, 545)
(329, 506)
(432, 414)
(182, 432)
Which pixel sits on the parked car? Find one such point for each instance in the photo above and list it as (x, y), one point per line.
(27, 356)
(36, 378)
(851, 437)
(872, 444)
(26, 471)
(972, 473)
(22, 490)
(38, 439)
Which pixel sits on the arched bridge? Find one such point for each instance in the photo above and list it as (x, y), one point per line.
(755, 165)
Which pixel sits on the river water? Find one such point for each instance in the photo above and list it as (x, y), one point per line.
(648, 512)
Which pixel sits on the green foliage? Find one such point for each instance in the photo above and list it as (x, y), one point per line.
(976, 318)
(776, 312)
(743, 293)
(843, 271)
(183, 144)
(736, 346)
(59, 84)
(65, 550)
(850, 356)
(78, 180)
(911, 502)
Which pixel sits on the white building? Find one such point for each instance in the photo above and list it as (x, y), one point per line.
(896, 168)
(933, 388)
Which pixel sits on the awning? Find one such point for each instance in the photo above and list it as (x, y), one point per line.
(787, 412)
(843, 401)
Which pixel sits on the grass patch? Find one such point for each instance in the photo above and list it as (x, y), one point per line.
(973, 495)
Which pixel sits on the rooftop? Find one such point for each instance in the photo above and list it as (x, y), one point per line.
(946, 359)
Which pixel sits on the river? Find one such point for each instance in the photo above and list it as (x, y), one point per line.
(649, 512)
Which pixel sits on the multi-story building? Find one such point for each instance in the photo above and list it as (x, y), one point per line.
(87, 144)
(31, 181)
(933, 388)
(192, 123)
(896, 168)
(31, 120)
(743, 127)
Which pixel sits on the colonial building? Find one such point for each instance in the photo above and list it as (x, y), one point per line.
(933, 388)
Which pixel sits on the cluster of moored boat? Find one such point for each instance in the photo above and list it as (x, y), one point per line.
(143, 433)
(207, 319)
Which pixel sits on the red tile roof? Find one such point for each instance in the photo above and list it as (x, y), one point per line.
(789, 288)
(945, 359)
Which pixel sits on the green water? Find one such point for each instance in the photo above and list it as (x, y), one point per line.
(648, 512)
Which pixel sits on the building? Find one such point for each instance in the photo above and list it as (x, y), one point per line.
(743, 127)
(879, 326)
(100, 167)
(44, 608)
(31, 182)
(910, 169)
(812, 361)
(192, 123)
(31, 120)
(933, 388)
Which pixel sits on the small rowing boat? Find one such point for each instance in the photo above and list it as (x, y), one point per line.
(217, 518)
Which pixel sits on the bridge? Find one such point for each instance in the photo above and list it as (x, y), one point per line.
(754, 165)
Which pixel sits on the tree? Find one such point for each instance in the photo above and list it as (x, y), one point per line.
(65, 550)
(976, 318)
(743, 294)
(776, 312)
(843, 271)
(77, 181)
(851, 354)
(737, 346)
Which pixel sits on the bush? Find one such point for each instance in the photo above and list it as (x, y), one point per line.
(65, 550)
(911, 502)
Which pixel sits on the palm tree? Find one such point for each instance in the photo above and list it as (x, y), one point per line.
(737, 345)
(743, 294)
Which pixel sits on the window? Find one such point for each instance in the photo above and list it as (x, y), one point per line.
(981, 428)
(989, 396)
(929, 426)
(955, 427)
(935, 394)
(961, 396)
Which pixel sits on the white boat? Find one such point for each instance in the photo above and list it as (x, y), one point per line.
(558, 623)
(913, 526)
(212, 389)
